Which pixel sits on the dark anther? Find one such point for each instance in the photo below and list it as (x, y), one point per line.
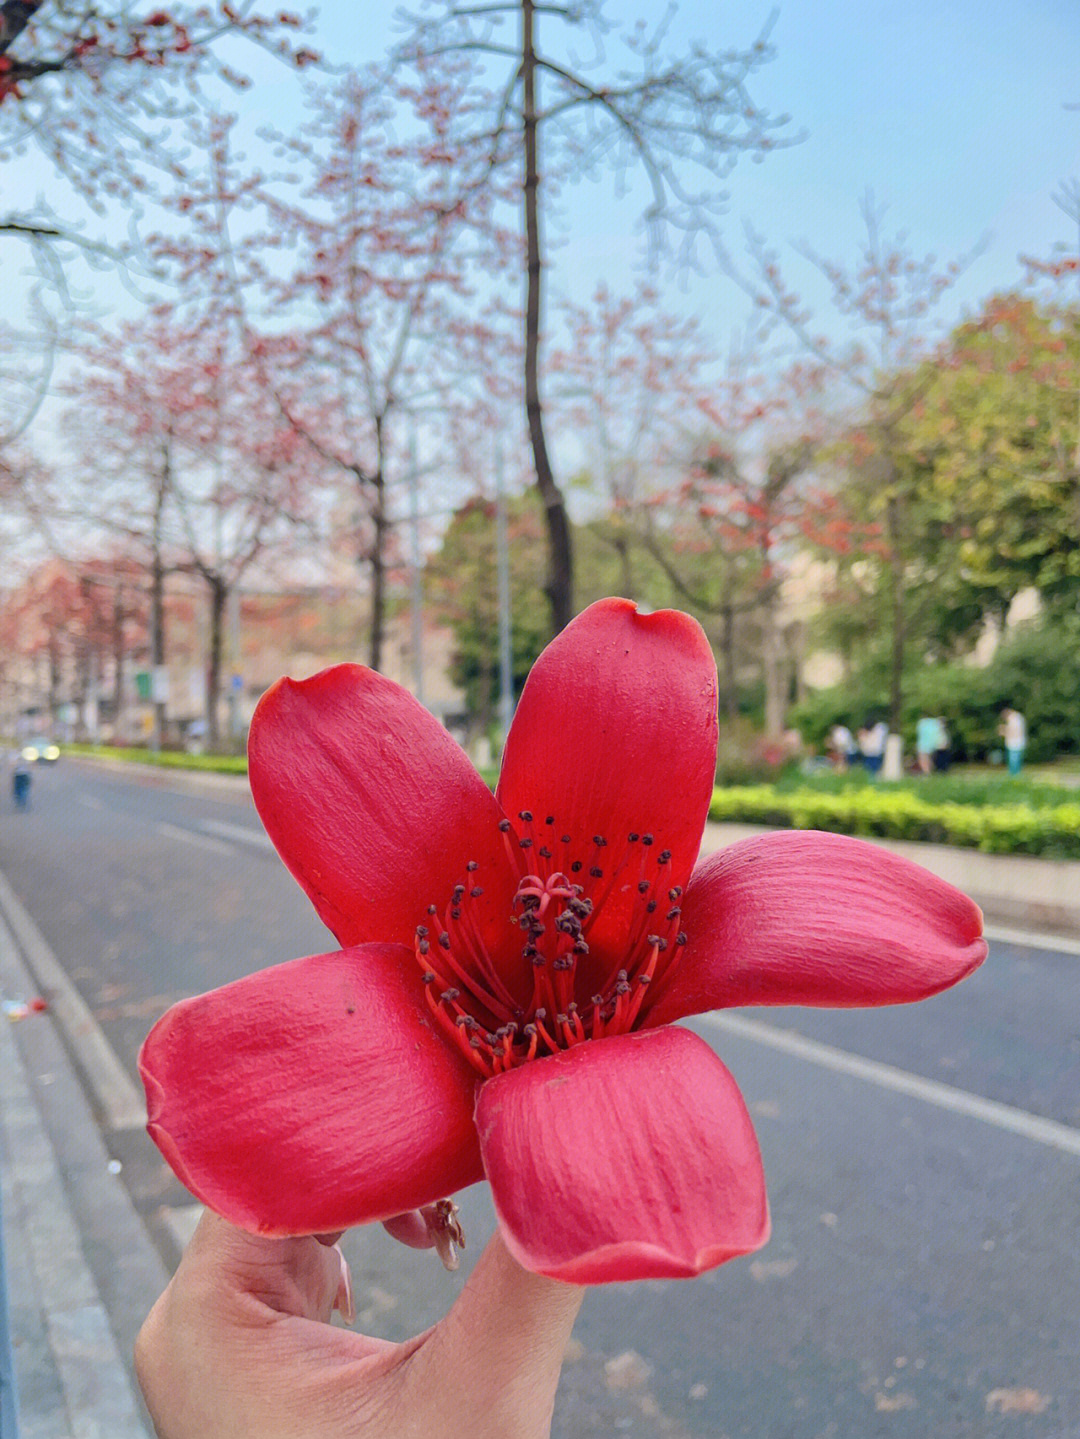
(599, 841)
(433, 909)
(580, 947)
(633, 837)
(462, 1021)
(576, 867)
(564, 962)
(652, 938)
(622, 987)
(459, 890)
(421, 931)
(504, 825)
(455, 914)
(596, 872)
(449, 995)
(474, 1043)
(644, 979)
(529, 1031)
(525, 815)
(650, 908)
(675, 892)
(444, 940)
(550, 819)
(663, 945)
(680, 938)
(423, 946)
(541, 1015)
(476, 891)
(665, 855)
(525, 843)
(544, 852)
(560, 1019)
(643, 886)
(646, 839)
(471, 865)
(566, 839)
(428, 977)
(674, 913)
(598, 1000)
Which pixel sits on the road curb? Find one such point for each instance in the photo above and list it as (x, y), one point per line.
(61, 1195)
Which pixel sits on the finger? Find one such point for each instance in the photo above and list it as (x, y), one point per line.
(289, 1276)
(505, 1338)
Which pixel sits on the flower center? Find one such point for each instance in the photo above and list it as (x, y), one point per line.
(502, 1011)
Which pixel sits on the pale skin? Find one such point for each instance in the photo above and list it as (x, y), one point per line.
(240, 1346)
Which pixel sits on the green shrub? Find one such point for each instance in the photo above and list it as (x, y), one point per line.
(900, 813)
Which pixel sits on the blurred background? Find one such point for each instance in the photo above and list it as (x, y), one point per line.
(401, 335)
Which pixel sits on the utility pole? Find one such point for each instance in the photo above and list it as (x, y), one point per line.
(417, 581)
(502, 570)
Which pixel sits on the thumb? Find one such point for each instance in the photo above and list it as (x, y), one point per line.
(504, 1339)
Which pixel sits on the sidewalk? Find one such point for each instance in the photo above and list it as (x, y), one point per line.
(62, 1202)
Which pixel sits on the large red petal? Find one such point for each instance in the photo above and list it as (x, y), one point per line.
(801, 917)
(625, 1158)
(615, 734)
(373, 807)
(312, 1096)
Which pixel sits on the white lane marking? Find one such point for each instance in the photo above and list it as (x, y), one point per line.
(900, 1081)
(90, 801)
(1029, 939)
(242, 832)
(190, 836)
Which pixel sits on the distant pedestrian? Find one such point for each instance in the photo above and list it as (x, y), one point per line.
(927, 741)
(1013, 730)
(872, 739)
(20, 780)
(943, 753)
(842, 747)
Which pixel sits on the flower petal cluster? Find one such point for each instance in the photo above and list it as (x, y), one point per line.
(510, 967)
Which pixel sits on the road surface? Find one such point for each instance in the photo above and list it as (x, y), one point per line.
(923, 1163)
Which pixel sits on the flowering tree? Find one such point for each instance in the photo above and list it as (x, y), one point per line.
(191, 464)
(887, 299)
(628, 384)
(548, 116)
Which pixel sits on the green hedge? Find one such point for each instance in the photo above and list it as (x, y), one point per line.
(1017, 828)
(166, 759)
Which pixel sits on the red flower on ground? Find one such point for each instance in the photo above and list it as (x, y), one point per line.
(511, 964)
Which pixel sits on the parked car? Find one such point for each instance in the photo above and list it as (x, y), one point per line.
(40, 749)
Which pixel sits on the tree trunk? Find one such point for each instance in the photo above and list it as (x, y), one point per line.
(378, 547)
(772, 672)
(897, 613)
(219, 595)
(729, 696)
(118, 660)
(157, 639)
(559, 583)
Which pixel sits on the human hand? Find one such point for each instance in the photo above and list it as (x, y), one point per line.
(239, 1347)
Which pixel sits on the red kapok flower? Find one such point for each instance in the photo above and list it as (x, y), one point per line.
(511, 963)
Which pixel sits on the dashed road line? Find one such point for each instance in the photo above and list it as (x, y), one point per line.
(886, 1076)
(191, 836)
(242, 832)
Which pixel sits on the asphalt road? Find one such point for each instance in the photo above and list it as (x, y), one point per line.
(923, 1274)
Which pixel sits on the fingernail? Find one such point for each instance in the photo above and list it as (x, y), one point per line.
(344, 1300)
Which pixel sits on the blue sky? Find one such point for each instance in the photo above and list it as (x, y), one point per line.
(954, 112)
